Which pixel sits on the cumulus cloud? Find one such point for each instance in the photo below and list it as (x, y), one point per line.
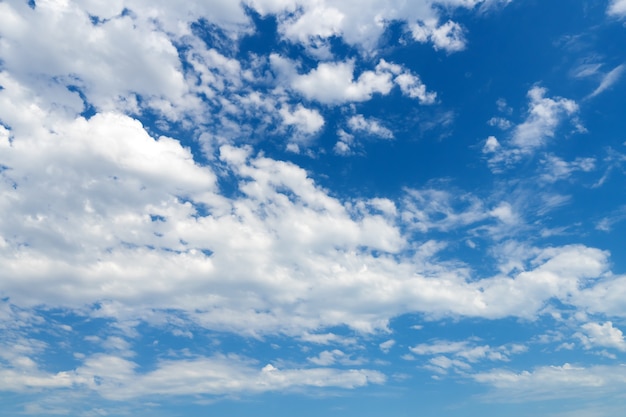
(448, 36)
(333, 83)
(106, 219)
(362, 24)
(336, 82)
(602, 335)
(544, 116)
(109, 62)
(360, 124)
(617, 8)
(143, 211)
(604, 297)
(304, 120)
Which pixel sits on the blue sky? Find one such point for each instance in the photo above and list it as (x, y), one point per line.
(278, 207)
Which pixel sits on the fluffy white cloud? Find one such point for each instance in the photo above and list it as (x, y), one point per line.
(617, 8)
(448, 36)
(106, 215)
(335, 82)
(361, 23)
(110, 62)
(604, 297)
(304, 120)
(544, 116)
(371, 127)
(603, 335)
(99, 64)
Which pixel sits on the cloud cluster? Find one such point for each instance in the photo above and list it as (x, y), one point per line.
(446, 356)
(544, 116)
(107, 216)
(336, 83)
(104, 219)
(116, 378)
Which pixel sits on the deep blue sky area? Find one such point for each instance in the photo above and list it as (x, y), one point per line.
(330, 208)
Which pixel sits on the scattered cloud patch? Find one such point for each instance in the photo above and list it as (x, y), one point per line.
(448, 36)
(602, 335)
(617, 8)
(608, 80)
(544, 117)
(371, 127)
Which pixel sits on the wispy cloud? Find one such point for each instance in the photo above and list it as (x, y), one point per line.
(617, 8)
(608, 80)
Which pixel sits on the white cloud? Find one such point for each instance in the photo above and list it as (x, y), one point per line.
(545, 114)
(335, 83)
(125, 213)
(371, 127)
(438, 348)
(108, 62)
(491, 145)
(327, 357)
(448, 36)
(442, 364)
(500, 122)
(305, 120)
(345, 144)
(361, 23)
(586, 70)
(606, 223)
(386, 346)
(410, 84)
(505, 213)
(556, 169)
(331, 357)
(439, 209)
(617, 8)
(553, 382)
(317, 21)
(117, 378)
(609, 79)
(604, 297)
(602, 335)
(465, 354)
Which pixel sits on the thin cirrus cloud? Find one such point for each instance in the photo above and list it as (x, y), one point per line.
(608, 80)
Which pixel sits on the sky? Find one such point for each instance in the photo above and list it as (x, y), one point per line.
(288, 207)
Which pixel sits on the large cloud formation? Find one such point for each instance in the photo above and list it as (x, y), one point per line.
(102, 218)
